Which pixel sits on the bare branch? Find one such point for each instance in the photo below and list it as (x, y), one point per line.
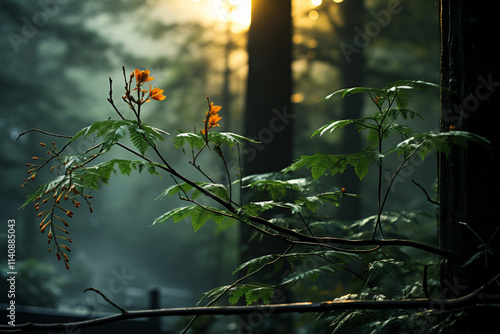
(470, 300)
(43, 132)
(123, 311)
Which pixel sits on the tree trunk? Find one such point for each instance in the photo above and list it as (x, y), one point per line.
(469, 183)
(352, 75)
(268, 119)
(268, 114)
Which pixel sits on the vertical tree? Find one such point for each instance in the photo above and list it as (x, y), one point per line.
(469, 183)
(269, 86)
(268, 115)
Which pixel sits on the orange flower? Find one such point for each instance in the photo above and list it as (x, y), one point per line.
(212, 117)
(214, 109)
(156, 94)
(212, 121)
(142, 77)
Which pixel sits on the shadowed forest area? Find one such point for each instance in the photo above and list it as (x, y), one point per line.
(60, 59)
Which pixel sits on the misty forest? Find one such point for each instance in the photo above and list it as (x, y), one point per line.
(249, 166)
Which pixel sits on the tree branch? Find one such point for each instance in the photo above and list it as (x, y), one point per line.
(123, 311)
(43, 132)
(473, 299)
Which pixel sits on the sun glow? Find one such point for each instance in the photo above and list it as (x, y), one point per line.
(242, 13)
(236, 11)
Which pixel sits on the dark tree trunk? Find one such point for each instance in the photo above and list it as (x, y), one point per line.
(469, 182)
(268, 111)
(268, 119)
(268, 116)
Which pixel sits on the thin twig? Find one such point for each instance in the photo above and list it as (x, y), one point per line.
(43, 132)
(110, 99)
(429, 199)
(381, 131)
(390, 186)
(123, 311)
(220, 153)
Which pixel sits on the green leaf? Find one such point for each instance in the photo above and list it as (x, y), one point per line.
(440, 141)
(252, 292)
(261, 293)
(229, 139)
(396, 89)
(125, 166)
(333, 125)
(113, 136)
(355, 90)
(138, 139)
(90, 177)
(391, 267)
(217, 189)
(113, 130)
(39, 191)
(172, 190)
(193, 139)
(277, 188)
(312, 274)
(197, 140)
(100, 128)
(397, 112)
(143, 136)
(255, 208)
(95, 176)
(104, 170)
(197, 214)
(176, 214)
(320, 163)
(256, 263)
(215, 293)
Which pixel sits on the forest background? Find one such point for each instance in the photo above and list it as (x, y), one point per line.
(57, 58)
